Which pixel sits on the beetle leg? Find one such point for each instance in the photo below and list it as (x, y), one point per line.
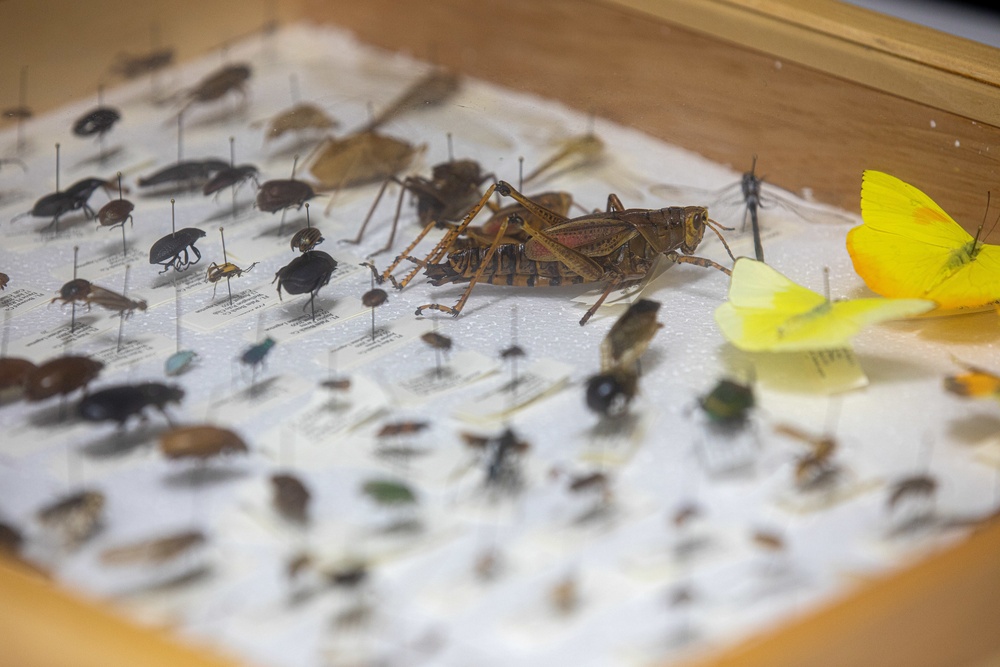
(197, 253)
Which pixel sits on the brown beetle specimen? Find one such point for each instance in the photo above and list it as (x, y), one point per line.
(300, 117)
(14, 372)
(306, 239)
(75, 517)
(84, 292)
(290, 497)
(630, 335)
(374, 298)
(914, 486)
(60, 376)
(401, 428)
(595, 480)
(115, 213)
(154, 551)
(4, 280)
(359, 159)
(437, 341)
(230, 78)
(337, 384)
(281, 193)
(200, 442)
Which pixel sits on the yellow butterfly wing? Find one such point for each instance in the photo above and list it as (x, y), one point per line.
(768, 312)
(909, 247)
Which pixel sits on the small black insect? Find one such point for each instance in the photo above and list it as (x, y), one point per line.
(56, 204)
(608, 394)
(97, 121)
(307, 273)
(231, 176)
(280, 194)
(120, 402)
(191, 172)
(172, 249)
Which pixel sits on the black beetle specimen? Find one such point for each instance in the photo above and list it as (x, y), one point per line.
(169, 250)
(282, 193)
(97, 121)
(609, 393)
(191, 172)
(307, 273)
(231, 176)
(120, 402)
(74, 198)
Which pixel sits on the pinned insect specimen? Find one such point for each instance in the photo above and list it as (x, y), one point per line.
(116, 212)
(374, 298)
(4, 281)
(171, 251)
(565, 595)
(306, 274)
(280, 194)
(630, 335)
(394, 429)
(231, 177)
(83, 292)
(501, 456)
(359, 159)
(290, 497)
(200, 442)
(574, 153)
(14, 373)
(59, 203)
(389, 492)
(301, 116)
(609, 393)
(227, 270)
(430, 91)
(617, 247)
(61, 376)
(767, 312)
(218, 84)
(22, 111)
(190, 173)
(255, 355)
(975, 382)
(909, 247)
(437, 341)
(75, 517)
(154, 551)
(815, 470)
(452, 190)
(97, 122)
(181, 359)
(728, 403)
(120, 402)
(306, 239)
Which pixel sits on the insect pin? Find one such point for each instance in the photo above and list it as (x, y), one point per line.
(178, 362)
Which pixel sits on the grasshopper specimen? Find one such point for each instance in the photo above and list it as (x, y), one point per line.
(617, 247)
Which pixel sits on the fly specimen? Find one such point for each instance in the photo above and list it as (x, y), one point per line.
(617, 247)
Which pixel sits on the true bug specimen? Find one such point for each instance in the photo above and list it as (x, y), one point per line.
(617, 247)
(134, 66)
(154, 551)
(172, 249)
(61, 376)
(306, 274)
(189, 173)
(120, 402)
(389, 492)
(290, 497)
(454, 187)
(200, 442)
(430, 91)
(83, 292)
(227, 79)
(74, 517)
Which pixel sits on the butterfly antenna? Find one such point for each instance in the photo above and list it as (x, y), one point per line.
(712, 224)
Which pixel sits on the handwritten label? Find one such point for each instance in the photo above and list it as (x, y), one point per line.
(543, 378)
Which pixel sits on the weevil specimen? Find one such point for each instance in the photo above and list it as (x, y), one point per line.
(83, 292)
(59, 203)
(120, 402)
(306, 274)
(172, 249)
(617, 247)
(60, 376)
(200, 442)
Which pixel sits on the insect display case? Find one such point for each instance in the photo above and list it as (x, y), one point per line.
(818, 91)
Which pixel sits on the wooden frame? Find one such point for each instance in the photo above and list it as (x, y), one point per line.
(818, 90)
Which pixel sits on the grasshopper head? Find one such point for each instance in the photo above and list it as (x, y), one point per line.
(695, 220)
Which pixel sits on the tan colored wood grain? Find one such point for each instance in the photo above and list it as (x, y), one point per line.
(810, 129)
(44, 626)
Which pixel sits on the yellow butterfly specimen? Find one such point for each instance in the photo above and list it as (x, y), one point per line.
(974, 383)
(768, 312)
(909, 247)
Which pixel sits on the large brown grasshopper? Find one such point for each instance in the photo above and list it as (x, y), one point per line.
(617, 247)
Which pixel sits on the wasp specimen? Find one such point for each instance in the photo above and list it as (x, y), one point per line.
(83, 292)
(172, 249)
(154, 551)
(120, 402)
(815, 469)
(617, 247)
